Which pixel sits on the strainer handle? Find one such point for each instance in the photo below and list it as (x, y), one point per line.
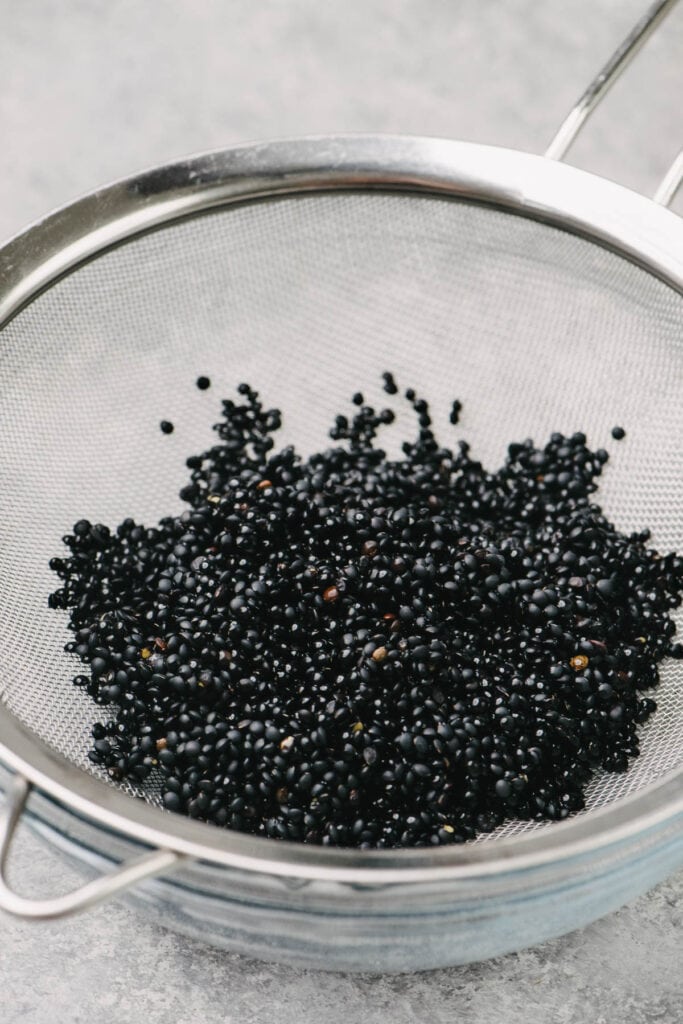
(600, 86)
(671, 182)
(155, 863)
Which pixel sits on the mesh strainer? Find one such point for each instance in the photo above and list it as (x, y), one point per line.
(544, 297)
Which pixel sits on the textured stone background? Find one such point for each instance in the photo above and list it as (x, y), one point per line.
(93, 89)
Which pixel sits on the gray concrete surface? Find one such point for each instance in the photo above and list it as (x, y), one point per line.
(90, 90)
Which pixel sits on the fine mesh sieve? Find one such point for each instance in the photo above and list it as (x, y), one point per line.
(542, 297)
(310, 298)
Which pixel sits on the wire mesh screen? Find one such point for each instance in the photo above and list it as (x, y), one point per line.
(309, 299)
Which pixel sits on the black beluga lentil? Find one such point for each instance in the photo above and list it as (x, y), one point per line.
(352, 650)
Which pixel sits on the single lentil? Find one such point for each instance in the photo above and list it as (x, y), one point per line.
(166, 427)
(359, 651)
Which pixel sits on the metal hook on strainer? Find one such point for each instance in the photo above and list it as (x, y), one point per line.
(288, 231)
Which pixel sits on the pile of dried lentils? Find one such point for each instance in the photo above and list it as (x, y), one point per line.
(352, 650)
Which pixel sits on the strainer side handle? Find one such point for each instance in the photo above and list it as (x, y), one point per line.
(121, 878)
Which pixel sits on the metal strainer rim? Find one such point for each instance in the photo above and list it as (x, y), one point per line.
(531, 186)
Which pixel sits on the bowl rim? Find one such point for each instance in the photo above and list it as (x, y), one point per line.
(534, 187)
